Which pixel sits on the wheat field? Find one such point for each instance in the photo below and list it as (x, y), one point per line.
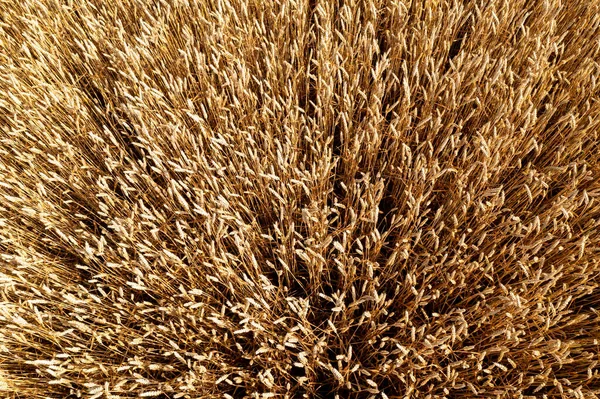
(294, 199)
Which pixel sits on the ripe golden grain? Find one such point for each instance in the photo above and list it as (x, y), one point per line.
(299, 199)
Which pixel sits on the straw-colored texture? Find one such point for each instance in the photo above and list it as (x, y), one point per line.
(299, 199)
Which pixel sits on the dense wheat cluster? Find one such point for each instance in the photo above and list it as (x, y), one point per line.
(299, 199)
